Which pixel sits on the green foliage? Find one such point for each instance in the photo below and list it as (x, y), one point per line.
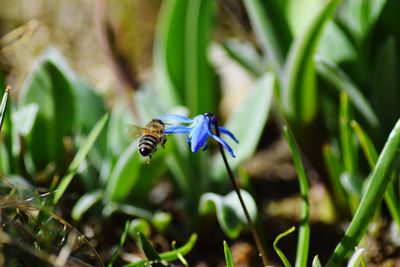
(371, 199)
(281, 255)
(228, 255)
(229, 216)
(304, 228)
(50, 88)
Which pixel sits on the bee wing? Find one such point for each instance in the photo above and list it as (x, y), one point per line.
(134, 130)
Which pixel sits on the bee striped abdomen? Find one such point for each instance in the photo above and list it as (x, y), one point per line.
(148, 145)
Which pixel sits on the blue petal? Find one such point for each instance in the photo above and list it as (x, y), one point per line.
(227, 132)
(222, 142)
(176, 129)
(199, 133)
(175, 117)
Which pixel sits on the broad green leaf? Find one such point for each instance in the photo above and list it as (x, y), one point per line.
(49, 86)
(266, 33)
(303, 242)
(169, 47)
(357, 258)
(79, 157)
(299, 92)
(371, 199)
(84, 203)
(201, 93)
(359, 16)
(332, 38)
(24, 118)
(247, 124)
(333, 74)
(246, 56)
(228, 255)
(90, 107)
(124, 174)
(181, 54)
(230, 216)
(281, 255)
(299, 14)
(170, 255)
(385, 94)
(131, 174)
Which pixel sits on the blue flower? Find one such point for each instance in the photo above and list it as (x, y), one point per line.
(199, 129)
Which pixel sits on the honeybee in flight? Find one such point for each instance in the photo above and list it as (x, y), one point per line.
(150, 136)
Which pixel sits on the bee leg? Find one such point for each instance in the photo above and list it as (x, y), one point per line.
(163, 141)
(148, 160)
(205, 147)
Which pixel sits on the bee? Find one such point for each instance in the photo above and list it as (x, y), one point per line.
(151, 136)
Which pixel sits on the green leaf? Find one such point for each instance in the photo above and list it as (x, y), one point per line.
(170, 255)
(316, 262)
(79, 157)
(278, 251)
(113, 207)
(24, 119)
(49, 86)
(333, 74)
(121, 243)
(161, 220)
(357, 258)
(200, 84)
(3, 105)
(334, 168)
(371, 199)
(299, 92)
(360, 15)
(247, 124)
(150, 252)
(372, 157)
(386, 82)
(303, 242)
(246, 56)
(139, 225)
(228, 255)
(231, 218)
(181, 50)
(332, 38)
(266, 33)
(169, 47)
(124, 174)
(84, 203)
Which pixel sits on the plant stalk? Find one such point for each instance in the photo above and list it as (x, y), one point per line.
(237, 190)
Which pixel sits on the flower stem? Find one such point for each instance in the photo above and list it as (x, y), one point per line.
(237, 190)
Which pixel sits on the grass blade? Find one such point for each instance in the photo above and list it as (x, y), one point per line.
(3, 105)
(299, 92)
(79, 157)
(333, 74)
(304, 228)
(120, 245)
(371, 199)
(266, 33)
(278, 251)
(85, 202)
(372, 158)
(170, 255)
(228, 255)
